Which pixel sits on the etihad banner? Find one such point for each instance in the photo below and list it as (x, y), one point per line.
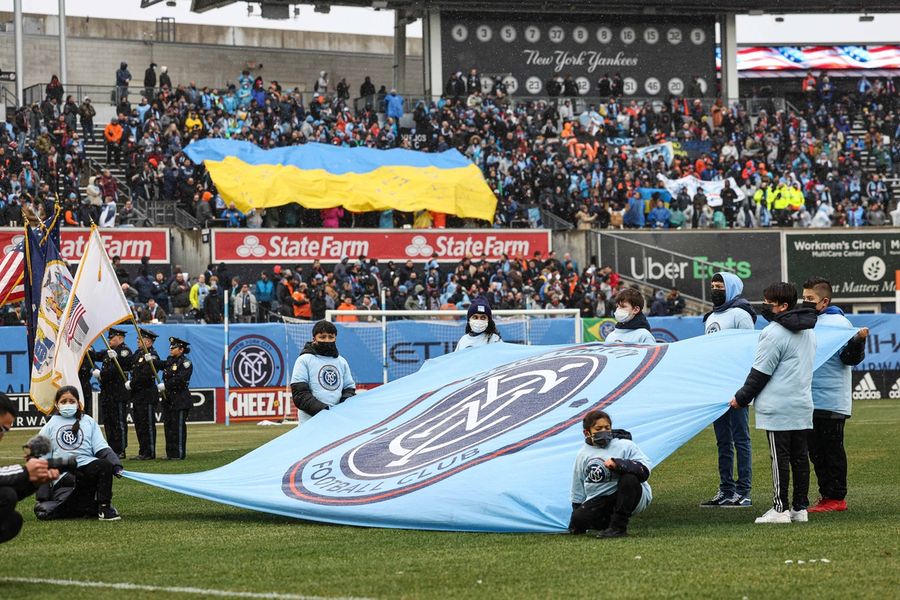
(129, 243)
(655, 57)
(485, 439)
(266, 246)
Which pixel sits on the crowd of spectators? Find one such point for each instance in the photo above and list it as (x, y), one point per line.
(305, 292)
(799, 167)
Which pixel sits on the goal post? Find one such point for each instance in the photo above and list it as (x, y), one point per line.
(382, 332)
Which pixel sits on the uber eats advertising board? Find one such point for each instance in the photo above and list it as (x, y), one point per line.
(859, 264)
(687, 260)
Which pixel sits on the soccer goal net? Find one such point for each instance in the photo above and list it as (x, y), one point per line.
(384, 345)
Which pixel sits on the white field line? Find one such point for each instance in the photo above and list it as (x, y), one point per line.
(170, 590)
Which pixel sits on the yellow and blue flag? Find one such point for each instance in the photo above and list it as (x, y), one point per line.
(358, 179)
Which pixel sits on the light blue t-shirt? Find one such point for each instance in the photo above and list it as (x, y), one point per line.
(84, 446)
(785, 403)
(473, 341)
(630, 336)
(326, 376)
(831, 384)
(591, 478)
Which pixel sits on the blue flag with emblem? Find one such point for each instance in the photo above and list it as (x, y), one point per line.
(484, 439)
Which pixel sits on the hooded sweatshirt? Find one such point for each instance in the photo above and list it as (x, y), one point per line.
(786, 352)
(831, 384)
(634, 331)
(735, 313)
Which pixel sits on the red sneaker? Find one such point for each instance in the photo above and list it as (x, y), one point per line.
(828, 505)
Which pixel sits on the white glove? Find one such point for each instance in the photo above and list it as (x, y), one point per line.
(161, 387)
(96, 372)
(111, 353)
(148, 357)
(128, 385)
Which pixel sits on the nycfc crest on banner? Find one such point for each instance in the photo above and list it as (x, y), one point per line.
(468, 422)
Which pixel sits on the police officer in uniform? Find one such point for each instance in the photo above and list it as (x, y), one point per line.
(114, 397)
(177, 400)
(145, 394)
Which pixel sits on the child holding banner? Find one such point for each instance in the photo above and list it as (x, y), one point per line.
(780, 387)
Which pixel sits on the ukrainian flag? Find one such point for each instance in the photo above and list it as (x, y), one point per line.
(358, 179)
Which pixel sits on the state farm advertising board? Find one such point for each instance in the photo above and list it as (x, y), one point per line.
(130, 243)
(306, 245)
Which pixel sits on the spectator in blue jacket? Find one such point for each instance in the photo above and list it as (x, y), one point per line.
(394, 105)
(659, 216)
(265, 294)
(634, 214)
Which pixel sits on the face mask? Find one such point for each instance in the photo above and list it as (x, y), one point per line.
(623, 315)
(600, 439)
(717, 297)
(767, 313)
(806, 304)
(477, 325)
(68, 410)
(326, 348)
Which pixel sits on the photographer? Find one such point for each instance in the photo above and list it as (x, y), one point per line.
(17, 481)
(87, 490)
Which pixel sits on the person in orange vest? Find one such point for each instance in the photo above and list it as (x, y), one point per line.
(346, 304)
(112, 133)
(302, 307)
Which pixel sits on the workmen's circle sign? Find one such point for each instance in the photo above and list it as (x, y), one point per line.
(255, 362)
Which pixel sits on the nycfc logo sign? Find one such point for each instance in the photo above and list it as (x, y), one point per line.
(256, 362)
(66, 440)
(468, 422)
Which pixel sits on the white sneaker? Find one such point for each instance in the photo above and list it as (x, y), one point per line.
(773, 516)
(799, 516)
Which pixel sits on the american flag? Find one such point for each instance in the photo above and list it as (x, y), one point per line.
(12, 273)
(75, 316)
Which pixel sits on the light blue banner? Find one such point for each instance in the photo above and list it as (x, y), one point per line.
(262, 354)
(483, 440)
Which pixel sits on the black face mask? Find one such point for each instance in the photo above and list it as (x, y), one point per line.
(767, 313)
(326, 349)
(806, 304)
(600, 439)
(717, 297)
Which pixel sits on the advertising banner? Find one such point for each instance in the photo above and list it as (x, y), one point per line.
(129, 243)
(753, 256)
(655, 57)
(306, 245)
(262, 356)
(859, 264)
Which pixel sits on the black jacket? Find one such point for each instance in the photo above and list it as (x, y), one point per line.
(16, 477)
(177, 377)
(143, 377)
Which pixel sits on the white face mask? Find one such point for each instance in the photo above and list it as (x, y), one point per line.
(623, 315)
(477, 325)
(68, 410)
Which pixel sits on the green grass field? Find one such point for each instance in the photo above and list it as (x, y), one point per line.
(676, 549)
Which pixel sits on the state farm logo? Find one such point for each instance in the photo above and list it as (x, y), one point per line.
(418, 246)
(251, 248)
(13, 242)
(468, 422)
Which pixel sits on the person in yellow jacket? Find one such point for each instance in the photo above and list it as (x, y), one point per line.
(780, 206)
(795, 197)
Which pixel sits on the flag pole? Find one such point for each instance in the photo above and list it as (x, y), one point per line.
(227, 365)
(144, 348)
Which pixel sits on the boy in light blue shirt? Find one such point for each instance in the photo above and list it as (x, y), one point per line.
(321, 378)
(632, 326)
(609, 481)
(780, 386)
(731, 311)
(831, 401)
